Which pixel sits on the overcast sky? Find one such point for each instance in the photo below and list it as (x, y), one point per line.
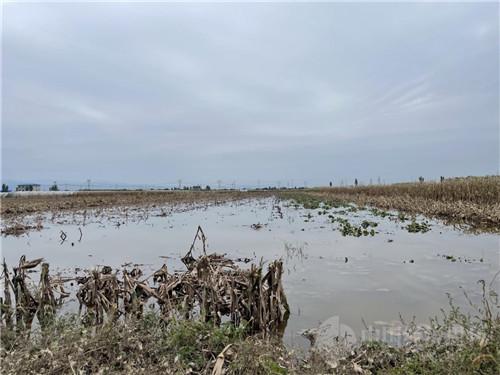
(153, 93)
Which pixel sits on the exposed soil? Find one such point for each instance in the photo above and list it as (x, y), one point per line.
(16, 207)
(471, 202)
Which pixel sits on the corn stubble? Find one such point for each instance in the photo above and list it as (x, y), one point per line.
(212, 289)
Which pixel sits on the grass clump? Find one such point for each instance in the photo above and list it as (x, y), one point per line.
(381, 213)
(310, 202)
(456, 343)
(365, 224)
(348, 229)
(145, 345)
(416, 227)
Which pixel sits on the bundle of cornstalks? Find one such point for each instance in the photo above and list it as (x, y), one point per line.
(212, 288)
(28, 300)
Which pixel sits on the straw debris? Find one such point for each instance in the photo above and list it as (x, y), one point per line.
(211, 289)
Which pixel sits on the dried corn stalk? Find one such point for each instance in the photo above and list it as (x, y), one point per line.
(213, 288)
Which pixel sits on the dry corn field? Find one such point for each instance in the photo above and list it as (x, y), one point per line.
(473, 201)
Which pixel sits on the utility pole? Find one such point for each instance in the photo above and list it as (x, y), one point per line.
(88, 184)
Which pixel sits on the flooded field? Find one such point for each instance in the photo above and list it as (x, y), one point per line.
(362, 267)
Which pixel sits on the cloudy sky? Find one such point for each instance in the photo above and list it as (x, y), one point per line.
(153, 93)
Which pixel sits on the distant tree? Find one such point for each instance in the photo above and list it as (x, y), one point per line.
(5, 188)
(442, 179)
(207, 187)
(331, 184)
(421, 179)
(54, 187)
(355, 182)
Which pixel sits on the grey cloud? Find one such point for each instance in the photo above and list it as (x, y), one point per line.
(150, 93)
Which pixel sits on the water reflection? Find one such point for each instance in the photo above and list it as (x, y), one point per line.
(371, 278)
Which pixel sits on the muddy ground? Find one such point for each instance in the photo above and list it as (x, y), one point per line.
(16, 207)
(473, 205)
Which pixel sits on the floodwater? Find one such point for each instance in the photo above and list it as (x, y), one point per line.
(359, 281)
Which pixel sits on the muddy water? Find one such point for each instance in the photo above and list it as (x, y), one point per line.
(353, 279)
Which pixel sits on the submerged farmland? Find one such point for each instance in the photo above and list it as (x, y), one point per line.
(363, 265)
(267, 274)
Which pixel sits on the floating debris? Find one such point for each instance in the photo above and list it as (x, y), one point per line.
(453, 258)
(256, 226)
(20, 229)
(279, 212)
(410, 261)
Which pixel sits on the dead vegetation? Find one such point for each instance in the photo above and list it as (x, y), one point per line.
(20, 206)
(29, 300)
(213, 297)
(213, 318)
(212, 289)
(18, 229)
(479, 190)
(457, 343)
(147, 345)
(473, 202)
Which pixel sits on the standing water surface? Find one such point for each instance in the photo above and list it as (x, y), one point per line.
(367, 279)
